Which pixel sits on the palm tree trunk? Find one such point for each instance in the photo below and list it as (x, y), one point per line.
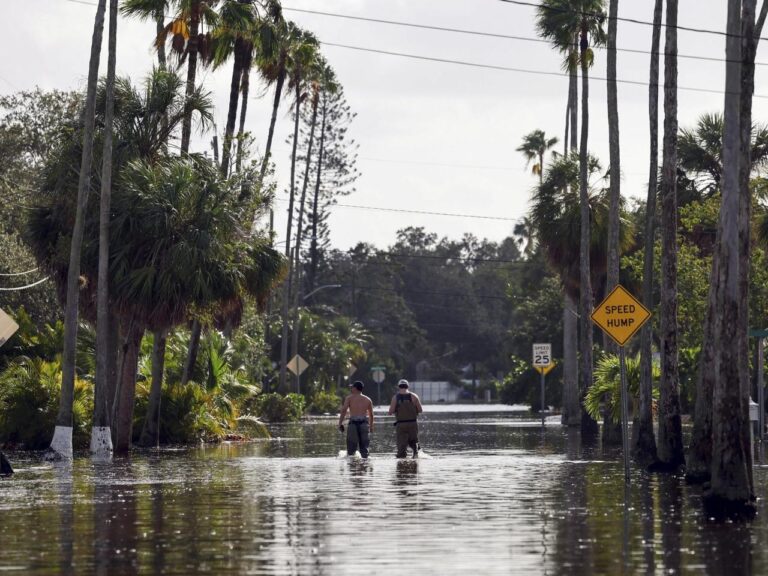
(670, 442)
(150, 433)
(194, 26)
(750, 38)
(192, 349)
(313, 255)
(588, 425)
(127, 389)
(731, 478)
(160, 26)
(101, 435)
(567, 125)
(244, 87)
(268, 149)
(287, 287)
(612, 432)
(61, 444)
(573, 95)
(645, 443)
(299, 231)
(234, 96)
(571, 409)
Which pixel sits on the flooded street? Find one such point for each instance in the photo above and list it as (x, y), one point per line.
(497, 496)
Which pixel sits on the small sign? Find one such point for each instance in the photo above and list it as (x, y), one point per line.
(382, 368)
(542, 355)
(378, 376)
(620, 315)
(7, 327)
(297, 365)
(545, 369)
(351, 370)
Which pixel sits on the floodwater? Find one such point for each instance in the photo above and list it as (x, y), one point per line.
(497, 496)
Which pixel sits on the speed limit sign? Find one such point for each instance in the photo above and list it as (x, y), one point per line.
(542, 355)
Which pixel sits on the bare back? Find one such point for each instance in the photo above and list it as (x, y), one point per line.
(358, 405)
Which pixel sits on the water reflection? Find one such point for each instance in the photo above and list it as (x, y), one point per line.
(496, 498)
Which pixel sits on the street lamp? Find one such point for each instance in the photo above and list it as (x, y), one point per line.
(298, 324)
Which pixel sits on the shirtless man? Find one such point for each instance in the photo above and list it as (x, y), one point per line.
(360, 419)
(406, 407)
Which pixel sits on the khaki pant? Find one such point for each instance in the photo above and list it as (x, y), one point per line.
(407, 435)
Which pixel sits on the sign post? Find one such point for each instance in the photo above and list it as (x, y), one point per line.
(620, 316)
(544, 370)
(542, 361)
(297, 365)
(378, 373)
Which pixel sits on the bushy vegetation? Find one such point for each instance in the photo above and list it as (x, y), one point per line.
(324, 403)
(275, 407)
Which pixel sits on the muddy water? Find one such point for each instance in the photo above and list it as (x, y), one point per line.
(498, 496)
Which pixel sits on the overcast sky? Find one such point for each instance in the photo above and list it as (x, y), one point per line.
(433, 136)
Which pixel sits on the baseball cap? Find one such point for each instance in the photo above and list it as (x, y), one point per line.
(402, 384)
(357, 384)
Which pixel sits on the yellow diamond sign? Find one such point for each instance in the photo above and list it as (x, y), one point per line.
(620, 315)
(545, 369)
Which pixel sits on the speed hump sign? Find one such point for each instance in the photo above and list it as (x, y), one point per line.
(542, 355)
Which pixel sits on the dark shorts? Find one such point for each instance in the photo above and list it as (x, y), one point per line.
(357, 437)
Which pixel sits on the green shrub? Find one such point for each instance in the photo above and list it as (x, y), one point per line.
(29, 401)
(324, 403)
(275, 407)
(607, 387)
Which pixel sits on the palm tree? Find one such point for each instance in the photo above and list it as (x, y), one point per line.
(101, 436)
(61, 444)
(139, 132)
(645, 443)
(525, 236)
(301, 62)
(154, 10)
(535, 145)
(234, 37)
(186, 39)
(670, 439)
(731, 478)
(561, 21)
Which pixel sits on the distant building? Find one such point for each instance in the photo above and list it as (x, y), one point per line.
(431, 392)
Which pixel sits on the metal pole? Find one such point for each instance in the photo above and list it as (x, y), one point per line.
(543, 379)
(624, 412)
(760, 389)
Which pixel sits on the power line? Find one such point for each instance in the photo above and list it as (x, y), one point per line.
(498, 35)
(426, 212)
(17, 288)
(517, 70)
(624, 19)
(21, 273)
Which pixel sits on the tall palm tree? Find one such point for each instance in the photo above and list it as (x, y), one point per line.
(61, 444)
(670, 439)
(525, 235)
(731, 477)
(645, 443)
(561, 21)
(234, 37)
(101, 435)
(190, 39)
(571, 25)
(535, 145)
(302, 57)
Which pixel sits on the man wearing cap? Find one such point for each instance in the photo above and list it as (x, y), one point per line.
(406, 407)
(360, 419)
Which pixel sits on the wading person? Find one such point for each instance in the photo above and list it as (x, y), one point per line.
(360, 425)
(406, 407)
